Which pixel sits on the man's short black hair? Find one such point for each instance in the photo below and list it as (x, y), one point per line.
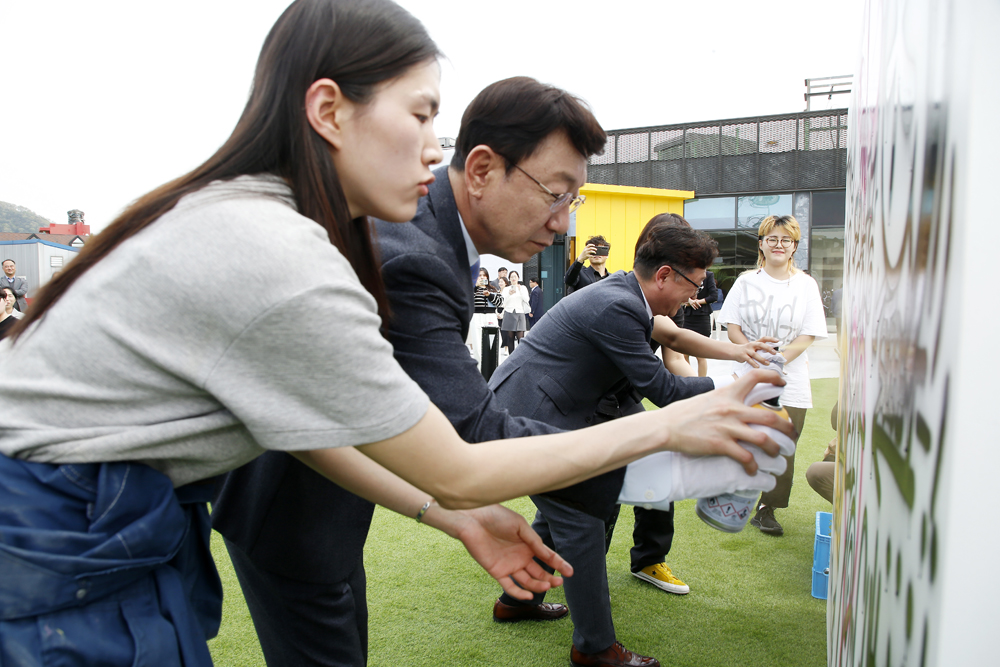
(668, 239)
(502, 268)
(8, 260)
(513, 116)
(535, 280)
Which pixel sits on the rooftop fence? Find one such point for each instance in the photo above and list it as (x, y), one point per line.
(800, 151)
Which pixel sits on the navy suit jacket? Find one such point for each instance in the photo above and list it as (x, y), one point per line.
(537, 305)
(579, 276)
(425, 266)
(291, 520)
(586, 347)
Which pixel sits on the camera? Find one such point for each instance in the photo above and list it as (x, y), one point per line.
(602, 250)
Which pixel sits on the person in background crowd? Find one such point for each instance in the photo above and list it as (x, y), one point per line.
(516, 308)
(7, 317)
(537, 302)
(698, 316)
(501, 273)
(717, 306)
(577, 275)
(9, 304)
(486, 299)
(821, 474)
(778, 300)
(505, 336)
(17, 284)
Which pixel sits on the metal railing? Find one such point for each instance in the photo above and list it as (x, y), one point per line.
(783, 153)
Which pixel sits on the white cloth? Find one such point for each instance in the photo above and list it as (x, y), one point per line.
(654, 481)
(774, 362)
(783, 309)
(184, 359)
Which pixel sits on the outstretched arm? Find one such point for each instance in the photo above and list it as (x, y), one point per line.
(500, 540)
(675, 362)
(669, 335)
(736, 334)
(432, 457)
(796, 347)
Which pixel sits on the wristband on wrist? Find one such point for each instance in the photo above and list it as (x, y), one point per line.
(423, 510)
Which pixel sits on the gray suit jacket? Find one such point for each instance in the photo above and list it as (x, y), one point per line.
(20, 287)
(426, 270)
(590, 345)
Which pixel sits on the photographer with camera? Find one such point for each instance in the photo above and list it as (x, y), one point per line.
(578, 276)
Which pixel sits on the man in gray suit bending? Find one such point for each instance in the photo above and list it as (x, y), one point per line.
(587, 361)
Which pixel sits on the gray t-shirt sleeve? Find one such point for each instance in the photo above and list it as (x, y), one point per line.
(313, 372)
(179, 351)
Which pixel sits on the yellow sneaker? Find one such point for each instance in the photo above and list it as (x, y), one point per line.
(660, 576)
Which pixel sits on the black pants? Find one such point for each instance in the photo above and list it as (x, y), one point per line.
(304, 623)
(652, 535)
(782, 491)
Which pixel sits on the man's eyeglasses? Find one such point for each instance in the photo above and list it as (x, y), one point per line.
(773, 242)
(681, 274)
(565, 199)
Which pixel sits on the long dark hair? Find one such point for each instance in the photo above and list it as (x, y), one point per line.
(357, 43)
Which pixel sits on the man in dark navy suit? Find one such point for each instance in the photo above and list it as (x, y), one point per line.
(536, 302)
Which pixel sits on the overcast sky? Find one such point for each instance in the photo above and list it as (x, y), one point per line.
(104, 100)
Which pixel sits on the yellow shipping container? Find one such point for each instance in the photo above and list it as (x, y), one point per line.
(618, 213)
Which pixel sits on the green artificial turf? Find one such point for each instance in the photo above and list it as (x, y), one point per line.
(750, 602)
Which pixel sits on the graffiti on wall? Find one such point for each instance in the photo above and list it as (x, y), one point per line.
(895, 377)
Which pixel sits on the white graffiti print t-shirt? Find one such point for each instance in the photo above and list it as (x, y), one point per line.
(783, 309)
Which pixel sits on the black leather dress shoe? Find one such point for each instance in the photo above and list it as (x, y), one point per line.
(510, 613)
(615, 656)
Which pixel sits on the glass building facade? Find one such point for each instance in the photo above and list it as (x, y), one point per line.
(733, 223)
(743, 170)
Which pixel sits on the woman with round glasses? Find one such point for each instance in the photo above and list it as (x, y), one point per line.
(779, 300)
